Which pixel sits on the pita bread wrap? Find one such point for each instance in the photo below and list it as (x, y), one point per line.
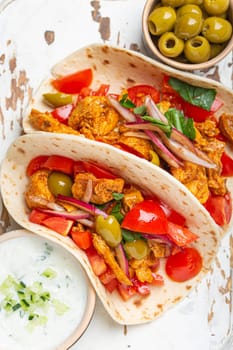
(121, 69)
(137, 171)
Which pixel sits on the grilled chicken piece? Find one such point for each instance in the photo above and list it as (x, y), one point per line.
(194, 177)
(131, 197)
(46, 122)
(38, 193)
(102, 189)
(94, 117)
(226, 126)
(104, 250)
(141, 146)
(142, 268)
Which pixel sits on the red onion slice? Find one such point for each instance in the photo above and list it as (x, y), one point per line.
(124, 112)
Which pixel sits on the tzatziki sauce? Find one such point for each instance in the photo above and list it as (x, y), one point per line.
(26, 259)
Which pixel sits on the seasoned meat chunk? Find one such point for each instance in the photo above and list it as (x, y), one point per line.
(194, 178)
(141, 146)
(93, 117)
(38, 193)
(104, 250)
(226, 126)
(131, 197)
(102, 189)
(46, 122)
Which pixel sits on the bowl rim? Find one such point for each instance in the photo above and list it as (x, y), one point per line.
(149, 45)
(91, 295)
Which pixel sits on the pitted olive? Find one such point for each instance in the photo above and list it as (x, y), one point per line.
(161, 20)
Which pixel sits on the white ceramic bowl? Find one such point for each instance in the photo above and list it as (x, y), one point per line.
(25, 257)
(153, 50)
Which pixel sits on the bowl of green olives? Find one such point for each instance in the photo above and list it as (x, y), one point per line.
(188, 34)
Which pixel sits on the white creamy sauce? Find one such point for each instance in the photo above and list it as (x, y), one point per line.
(26, 258)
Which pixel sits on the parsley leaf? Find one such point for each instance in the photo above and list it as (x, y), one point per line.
(126, 102)
(181, 123)
(197, 96)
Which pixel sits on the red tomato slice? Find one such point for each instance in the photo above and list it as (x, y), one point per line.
(126, 292)
(97, 262)
(112, 285)
(146, 217)
(58, 224)
(197, 113)
(60, 163)
(102, 91)
(36, 164)
(227, 165)
(157, 279)
(83, 239)
(181, 236)
(220, 208)
(73, 83)
(137, 94)
(37, 216)
(173, 216)
(62, 113)
(184, 265)
(99, 172)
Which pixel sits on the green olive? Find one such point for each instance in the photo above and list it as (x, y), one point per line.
(197, 49)
(137, 249)
(60, 183)
(109, 228)
(195, 2)
(57, 99)
(189, 8)
(161, 20)
(173, 3)
(188, 26)
(216, 7)
(216, 30)
(215, 49)
(169, 45)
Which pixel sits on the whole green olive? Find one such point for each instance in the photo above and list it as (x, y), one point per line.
(215, 7)
(169, 45)
(60, 183)
(161, 20)
(216, 30)
(188, 26)
(109, 228)
(172, 3)
(195, 2)
(197, 49)
(189, 8)
(215, 49)
(137, 249)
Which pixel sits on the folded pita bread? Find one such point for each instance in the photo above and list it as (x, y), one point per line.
(120, 69)
(134, 170)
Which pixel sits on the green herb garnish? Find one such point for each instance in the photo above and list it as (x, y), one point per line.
(181, 123)
(126, 102)
(197, 96)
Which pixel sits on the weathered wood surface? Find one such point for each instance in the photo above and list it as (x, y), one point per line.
(33, 36)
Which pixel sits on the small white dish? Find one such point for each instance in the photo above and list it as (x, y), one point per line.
(26, 257)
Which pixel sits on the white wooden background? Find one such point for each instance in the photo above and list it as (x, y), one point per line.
(35, 34)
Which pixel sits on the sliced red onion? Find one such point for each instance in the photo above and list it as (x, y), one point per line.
(163, 151)
(73, 215)
(124, 112)
(186, 154)
(88, 191)
(82, 205)
(154, 111)
(121, 258)
(139, 134)
(86, 222)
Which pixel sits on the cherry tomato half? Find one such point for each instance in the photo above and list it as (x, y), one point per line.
(184, 265)
(220, 208)
(146, 217)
